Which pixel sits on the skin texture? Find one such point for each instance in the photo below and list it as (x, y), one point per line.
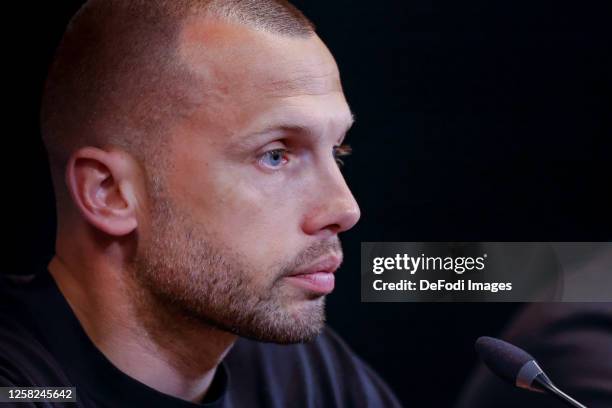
(166, 262)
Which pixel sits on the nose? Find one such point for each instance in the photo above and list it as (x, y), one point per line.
(333, 209)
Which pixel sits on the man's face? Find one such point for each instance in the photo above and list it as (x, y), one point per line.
(252, 193)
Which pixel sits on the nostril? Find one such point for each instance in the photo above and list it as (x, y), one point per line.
(335, 228)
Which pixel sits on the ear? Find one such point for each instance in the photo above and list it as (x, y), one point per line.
(102, 185)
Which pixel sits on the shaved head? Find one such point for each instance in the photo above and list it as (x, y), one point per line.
(118, 78)
(194, 149)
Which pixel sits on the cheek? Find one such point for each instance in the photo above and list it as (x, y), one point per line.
(261, 223)
(256, 215)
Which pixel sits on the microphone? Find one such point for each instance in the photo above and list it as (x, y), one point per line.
(519, 368)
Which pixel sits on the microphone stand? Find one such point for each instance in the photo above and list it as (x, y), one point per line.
(543, 381)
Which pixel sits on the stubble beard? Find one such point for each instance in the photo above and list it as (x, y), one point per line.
(182, 269)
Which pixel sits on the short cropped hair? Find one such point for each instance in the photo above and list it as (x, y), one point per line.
(115, 78)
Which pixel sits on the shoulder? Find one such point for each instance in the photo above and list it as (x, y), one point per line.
(325, 372)
(24, 360)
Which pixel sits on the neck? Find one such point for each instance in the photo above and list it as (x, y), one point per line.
(164, 349)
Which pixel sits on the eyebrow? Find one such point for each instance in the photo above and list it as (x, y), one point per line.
(304, 129)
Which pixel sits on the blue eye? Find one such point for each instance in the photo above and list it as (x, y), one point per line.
(274, 158)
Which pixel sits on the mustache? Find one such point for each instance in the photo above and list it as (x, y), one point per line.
(312, 253)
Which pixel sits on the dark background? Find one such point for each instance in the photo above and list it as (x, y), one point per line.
(476, 121)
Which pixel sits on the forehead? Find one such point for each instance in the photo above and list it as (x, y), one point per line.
(221, 51)
(239, 66)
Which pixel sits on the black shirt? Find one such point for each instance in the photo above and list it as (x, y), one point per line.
(43, 344)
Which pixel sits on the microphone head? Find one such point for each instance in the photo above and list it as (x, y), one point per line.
(503, 358)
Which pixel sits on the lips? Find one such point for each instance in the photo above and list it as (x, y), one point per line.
(317, 277)
(329, 264)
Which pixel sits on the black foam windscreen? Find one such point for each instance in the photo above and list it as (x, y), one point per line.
(503, 358)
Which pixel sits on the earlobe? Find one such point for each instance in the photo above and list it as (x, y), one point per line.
(101, 185)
